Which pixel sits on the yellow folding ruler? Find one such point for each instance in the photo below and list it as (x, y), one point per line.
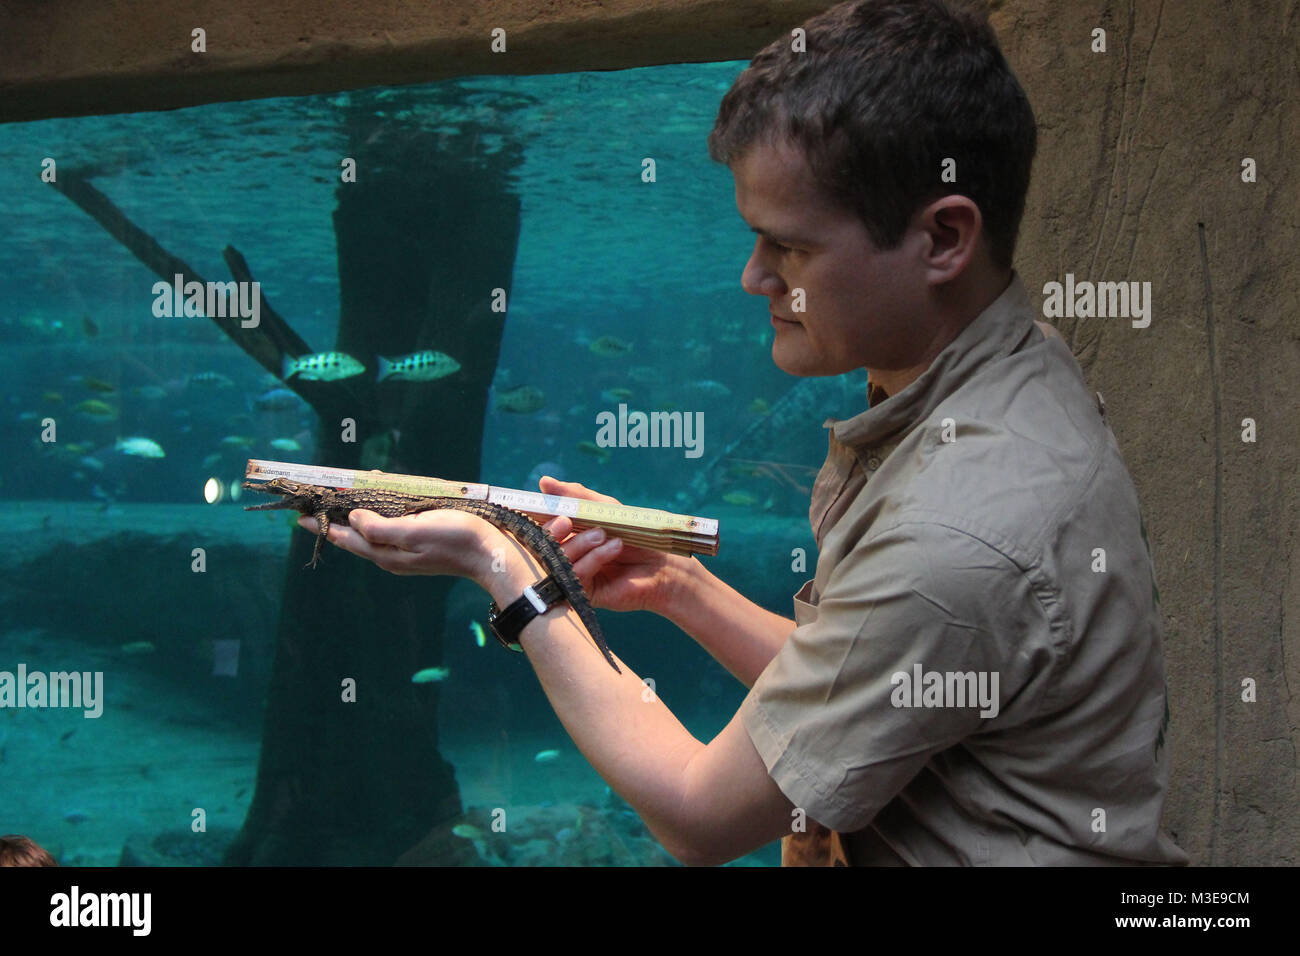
(644, 527)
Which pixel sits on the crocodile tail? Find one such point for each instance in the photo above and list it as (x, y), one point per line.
(540, 541)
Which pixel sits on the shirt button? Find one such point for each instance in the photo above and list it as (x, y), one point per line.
(873, 463)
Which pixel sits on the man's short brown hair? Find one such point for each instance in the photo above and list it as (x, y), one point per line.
(887, 90)
(18, 850)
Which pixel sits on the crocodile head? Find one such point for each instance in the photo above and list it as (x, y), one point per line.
(295, 494)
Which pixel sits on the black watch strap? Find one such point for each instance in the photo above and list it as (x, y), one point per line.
(507, 624)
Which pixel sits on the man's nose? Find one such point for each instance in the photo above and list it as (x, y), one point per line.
(758, 279)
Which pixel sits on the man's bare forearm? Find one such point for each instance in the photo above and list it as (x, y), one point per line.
(740, 635)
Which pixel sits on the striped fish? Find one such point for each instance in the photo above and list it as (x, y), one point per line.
(322, 367)
(418, 366)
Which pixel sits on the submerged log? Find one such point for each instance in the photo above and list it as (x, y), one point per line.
(423, 236)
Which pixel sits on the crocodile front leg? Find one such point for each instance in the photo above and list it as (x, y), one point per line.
(322, 532)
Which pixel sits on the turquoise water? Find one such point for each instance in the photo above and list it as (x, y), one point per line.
(622, 291)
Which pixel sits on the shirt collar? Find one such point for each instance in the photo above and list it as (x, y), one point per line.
(994, 333)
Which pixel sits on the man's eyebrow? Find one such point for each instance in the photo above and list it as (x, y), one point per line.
(778, 238)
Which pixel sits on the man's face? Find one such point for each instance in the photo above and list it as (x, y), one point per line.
(863, 307)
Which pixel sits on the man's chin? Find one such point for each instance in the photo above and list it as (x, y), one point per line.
(799, 362)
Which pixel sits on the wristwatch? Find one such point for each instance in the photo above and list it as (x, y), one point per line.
(537, 599)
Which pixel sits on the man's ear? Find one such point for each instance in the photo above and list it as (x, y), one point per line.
(957, 221)
(955, 229)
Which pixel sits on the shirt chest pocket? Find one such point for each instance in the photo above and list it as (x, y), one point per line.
(805, 604)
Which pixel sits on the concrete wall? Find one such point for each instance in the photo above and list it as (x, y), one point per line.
(1139, 178)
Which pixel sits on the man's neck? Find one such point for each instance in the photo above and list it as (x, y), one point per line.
(893, 381)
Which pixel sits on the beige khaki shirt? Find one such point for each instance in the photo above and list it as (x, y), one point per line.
(976, 676)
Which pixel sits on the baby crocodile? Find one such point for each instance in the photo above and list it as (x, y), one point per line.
(333, 504)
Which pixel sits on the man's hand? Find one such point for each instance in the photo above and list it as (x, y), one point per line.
(617, 576)
(430, 542)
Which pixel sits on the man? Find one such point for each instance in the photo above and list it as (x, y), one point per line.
(974, 675)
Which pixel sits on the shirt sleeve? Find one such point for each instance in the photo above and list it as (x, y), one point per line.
(836, 716)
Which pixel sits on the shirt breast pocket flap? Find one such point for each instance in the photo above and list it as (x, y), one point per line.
(805, 604)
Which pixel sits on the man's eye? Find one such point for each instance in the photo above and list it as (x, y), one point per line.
(780, 248)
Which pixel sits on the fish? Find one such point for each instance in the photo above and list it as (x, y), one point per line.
(742, 499)
(616, 394)
(237, 441)
(211, 460)
(210, 380)
(52, 398)
(137, 647)
(759, 406)
(285, 444)
(709, 387)
(522, 400)
(321, 367)
(150, 393)
(423, 366)
(139, 447)
(87, 461)
(277, 400)
(35, 323)
(96, 410)
(608, 346)
(546, 756)
(480, 637)
(98, 385)
(467, 831)
(594, 450)
(430, 675)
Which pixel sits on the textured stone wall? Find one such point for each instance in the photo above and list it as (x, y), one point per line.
(1139, 178)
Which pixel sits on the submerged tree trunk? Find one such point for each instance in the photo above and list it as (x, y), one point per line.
(426, 233)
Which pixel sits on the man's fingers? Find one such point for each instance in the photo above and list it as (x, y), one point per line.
(560, 528)
(385, 556)
(379, 530)
(572, 489)
(591, 562)
(581, 545)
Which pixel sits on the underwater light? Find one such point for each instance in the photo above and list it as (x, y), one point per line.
(213, 491)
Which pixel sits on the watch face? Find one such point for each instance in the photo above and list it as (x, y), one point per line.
(502, 639)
